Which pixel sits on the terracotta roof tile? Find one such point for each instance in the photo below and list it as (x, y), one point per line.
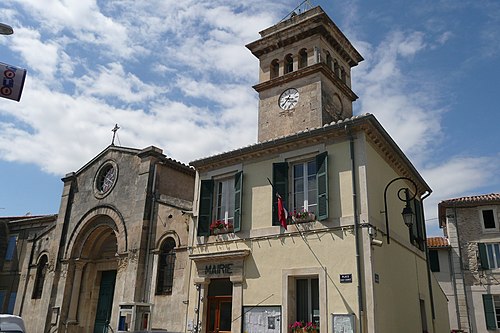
(433, 242)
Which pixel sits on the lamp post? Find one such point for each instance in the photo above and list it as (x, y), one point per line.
(407, 213)
(6, 29)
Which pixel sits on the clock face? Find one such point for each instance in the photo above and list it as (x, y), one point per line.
(289, 99)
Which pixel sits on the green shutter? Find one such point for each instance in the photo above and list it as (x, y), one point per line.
(419, 221)
(489, 312)
(280, 182)
(483, 256)
(322, 179)
(205, 209)
(238, 187)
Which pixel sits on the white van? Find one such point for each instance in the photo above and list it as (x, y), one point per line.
(11, 324)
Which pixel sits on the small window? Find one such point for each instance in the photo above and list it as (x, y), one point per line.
(302, 58)
(288, 64)
(493, 252)
(488, 219)
(343, 75)
(41, 271)
(11, 248)
(328, 60)
(434, 260)
(166, 266)
(275, 69)
(307, 298)
(336, 68)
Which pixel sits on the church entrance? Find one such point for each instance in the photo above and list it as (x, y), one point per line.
(105, 301)
(220, 306)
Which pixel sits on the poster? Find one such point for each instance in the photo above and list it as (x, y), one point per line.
(261, 319)
(343, 323)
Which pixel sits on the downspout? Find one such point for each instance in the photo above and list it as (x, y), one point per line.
(356, 229)
(429, 277)
(147, 291)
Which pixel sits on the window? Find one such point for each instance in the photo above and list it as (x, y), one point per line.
(288, 64)
(11, 248)
(307, 298)
(328, 60)
(488, 219)
(336, 68)
(434, 260)
(275, 68)
(166, 265)
(220, 204)
(309, 185)
(491, 305)
(302, 58)
(343, 75)
(41, 270)
(305, 187)
(489, 255)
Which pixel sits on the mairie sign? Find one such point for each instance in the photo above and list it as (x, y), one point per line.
(11, 81)
(216, 269)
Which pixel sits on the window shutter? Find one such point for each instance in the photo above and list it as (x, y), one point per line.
(419, 221)
(280, 182)
(489, 312)
(238, 187)
(483, 256)
(205, 209)
(322, 179)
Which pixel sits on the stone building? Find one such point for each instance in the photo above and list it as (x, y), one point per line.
(115, 257)
(305, 226)
(15, 233)
(472, 226)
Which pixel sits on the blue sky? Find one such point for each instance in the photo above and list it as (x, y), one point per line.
(177, 75)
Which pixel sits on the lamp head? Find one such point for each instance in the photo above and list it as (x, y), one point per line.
(6, 29)
(408, 216)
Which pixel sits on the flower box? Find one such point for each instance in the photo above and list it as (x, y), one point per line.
(303, 217)
(221, 227)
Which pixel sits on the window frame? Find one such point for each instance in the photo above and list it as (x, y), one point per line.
(166, 267)
(282, 181)
(41, 273)
(310, 299)
(208, 200)
(495, 218)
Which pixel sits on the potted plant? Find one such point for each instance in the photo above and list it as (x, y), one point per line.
(220, 227)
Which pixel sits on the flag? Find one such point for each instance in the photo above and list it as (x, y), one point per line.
(282, 213)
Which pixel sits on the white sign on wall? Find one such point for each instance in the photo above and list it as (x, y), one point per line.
(262, 319)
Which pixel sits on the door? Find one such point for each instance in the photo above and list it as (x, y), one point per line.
(219, 314)
(105, 302)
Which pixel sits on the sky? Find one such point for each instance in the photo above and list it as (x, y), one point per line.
(177, 75)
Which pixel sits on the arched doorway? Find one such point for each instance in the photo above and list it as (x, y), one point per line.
(95, 270)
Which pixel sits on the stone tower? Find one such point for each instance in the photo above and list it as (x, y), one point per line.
(305, 74)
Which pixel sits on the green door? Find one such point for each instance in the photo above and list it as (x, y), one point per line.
(105, 302)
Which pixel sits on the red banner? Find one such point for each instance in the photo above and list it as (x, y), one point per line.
(11, 81)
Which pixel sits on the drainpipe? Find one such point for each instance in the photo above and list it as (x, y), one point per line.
(356, 228)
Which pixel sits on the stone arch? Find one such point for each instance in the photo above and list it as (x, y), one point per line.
(168, 234)
(94, 222)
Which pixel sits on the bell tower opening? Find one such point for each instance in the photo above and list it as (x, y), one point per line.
(308, 55)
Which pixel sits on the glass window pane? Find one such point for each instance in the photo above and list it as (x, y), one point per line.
(491, 259)
(11, 246)
(302, 300)
(298, 171)
(315, 300)
(225, 316)
(311, 168)
(497, 254)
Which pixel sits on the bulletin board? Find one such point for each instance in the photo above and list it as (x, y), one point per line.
(262, 319)
(343, 323)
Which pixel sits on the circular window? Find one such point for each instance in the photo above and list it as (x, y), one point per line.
(105, 179)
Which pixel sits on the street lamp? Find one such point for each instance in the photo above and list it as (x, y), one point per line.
(6, 29)
(407, 213)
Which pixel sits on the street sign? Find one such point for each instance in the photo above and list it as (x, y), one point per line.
(11, 81)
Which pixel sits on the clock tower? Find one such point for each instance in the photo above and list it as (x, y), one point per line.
(305, 74)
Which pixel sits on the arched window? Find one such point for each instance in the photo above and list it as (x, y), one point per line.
(288, 63)
(336, 68)
(166, 264)
(302, 58)
(41, 270)
(328, 60)
(275, 68)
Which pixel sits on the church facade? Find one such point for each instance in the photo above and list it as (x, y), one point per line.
(114, 259)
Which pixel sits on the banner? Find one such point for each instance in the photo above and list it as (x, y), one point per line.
(12, 81)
